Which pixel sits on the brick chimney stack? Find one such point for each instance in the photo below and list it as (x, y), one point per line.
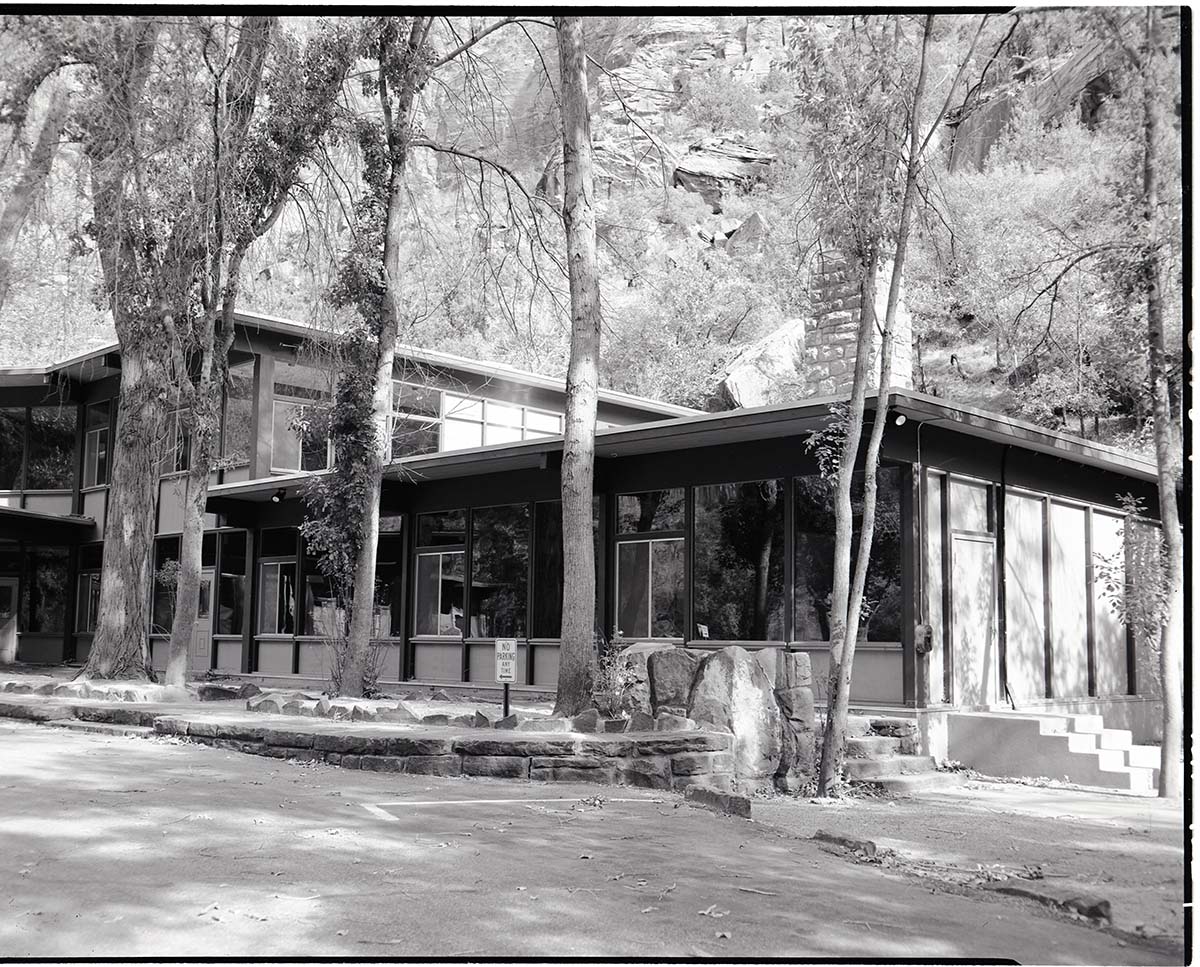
(830, 345)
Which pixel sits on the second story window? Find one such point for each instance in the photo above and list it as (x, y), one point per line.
(416, 419)
(95, 445)
(473, 423)
(177, 445)
(51, 448)
(297, 387)
(12, 447)
(238, 430)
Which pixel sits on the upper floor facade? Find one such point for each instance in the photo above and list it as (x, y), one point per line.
(58, 422)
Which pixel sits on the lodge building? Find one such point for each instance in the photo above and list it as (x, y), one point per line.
(710, 528)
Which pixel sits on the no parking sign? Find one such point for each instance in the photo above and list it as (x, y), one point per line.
(506, 660)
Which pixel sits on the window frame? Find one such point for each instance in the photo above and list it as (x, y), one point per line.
(659, 537)
(88, 625)
(91, 477)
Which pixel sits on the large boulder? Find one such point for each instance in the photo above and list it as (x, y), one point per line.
(637, 695)
(672, 673)
(732, 694)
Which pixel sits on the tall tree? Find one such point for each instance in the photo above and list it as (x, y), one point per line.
(576, 660)
(271, 104)
(1151, 58)
(344, 530)
(875, 81)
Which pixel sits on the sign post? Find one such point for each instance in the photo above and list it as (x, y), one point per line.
(506, 665)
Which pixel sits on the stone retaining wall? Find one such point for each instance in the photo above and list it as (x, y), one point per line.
(652, 760)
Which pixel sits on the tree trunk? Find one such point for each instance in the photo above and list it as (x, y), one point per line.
(120, 647)
(576, 660)
(841, 659)
(1166, 441)
(34, 175)
(357, 671)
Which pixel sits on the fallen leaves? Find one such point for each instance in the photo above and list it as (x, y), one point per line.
(713, 912)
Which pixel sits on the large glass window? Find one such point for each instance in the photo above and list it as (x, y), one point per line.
(238, 431)
(650, 592)
(277, 604)
(231, 591)
(95, 445)
(416, 419)
(499, 571)
(654, 510)
(446, 528)
(51, 448)
(389, 587)
(45, 600)
(438, 602)
(323, 614)
(439, 597)
(166, 580)
(546, 619)
(737, 576)
(472, 423)
(12, 447)
(814, 524)
(297, 387)
(177, 445)
(87, 602)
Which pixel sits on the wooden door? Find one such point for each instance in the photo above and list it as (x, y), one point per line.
(200, 652)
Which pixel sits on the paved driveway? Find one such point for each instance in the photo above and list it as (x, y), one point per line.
(133, 847)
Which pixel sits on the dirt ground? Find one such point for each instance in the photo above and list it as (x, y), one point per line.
(122, 847)
(1126, 849)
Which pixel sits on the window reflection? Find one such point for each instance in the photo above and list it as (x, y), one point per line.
(654, 510)
(499, 571)
(814, 525)
(738, 567)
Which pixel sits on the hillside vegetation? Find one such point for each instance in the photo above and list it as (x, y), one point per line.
(707, 241)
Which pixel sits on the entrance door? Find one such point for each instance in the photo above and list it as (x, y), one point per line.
(975, 652)
(200, 653)
(8, 620)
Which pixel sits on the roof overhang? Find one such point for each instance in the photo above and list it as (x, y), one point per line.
(32, 525)
(999, 428)
(719, 429)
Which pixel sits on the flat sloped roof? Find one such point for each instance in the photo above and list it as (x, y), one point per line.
(734, 426)
(429, 357)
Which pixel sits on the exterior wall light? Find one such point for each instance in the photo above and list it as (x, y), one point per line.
(278, 495)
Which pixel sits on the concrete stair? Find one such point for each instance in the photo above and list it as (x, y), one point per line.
(881, 750)
(1070, 748)
(102, 728)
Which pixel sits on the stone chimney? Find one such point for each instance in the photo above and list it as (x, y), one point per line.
(830, 344)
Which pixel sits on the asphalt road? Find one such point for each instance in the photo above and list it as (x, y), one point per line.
(133, 847)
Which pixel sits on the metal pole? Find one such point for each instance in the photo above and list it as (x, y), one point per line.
(506, 699)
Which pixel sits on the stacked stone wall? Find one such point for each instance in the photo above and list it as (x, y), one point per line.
(831, 343)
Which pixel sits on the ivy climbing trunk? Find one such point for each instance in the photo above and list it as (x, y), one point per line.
(402, 61)
(357, 671)
(576, 659)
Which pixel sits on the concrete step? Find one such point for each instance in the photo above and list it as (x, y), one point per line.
(1143, 756)
(1087, 723)
(890, 766)
(1115, 738)
(917, 782)
(893, 725)
(857, 725)
(102, 728)
(1020, 747)
(869, 746)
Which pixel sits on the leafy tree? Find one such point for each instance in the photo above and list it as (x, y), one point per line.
(273, 100)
